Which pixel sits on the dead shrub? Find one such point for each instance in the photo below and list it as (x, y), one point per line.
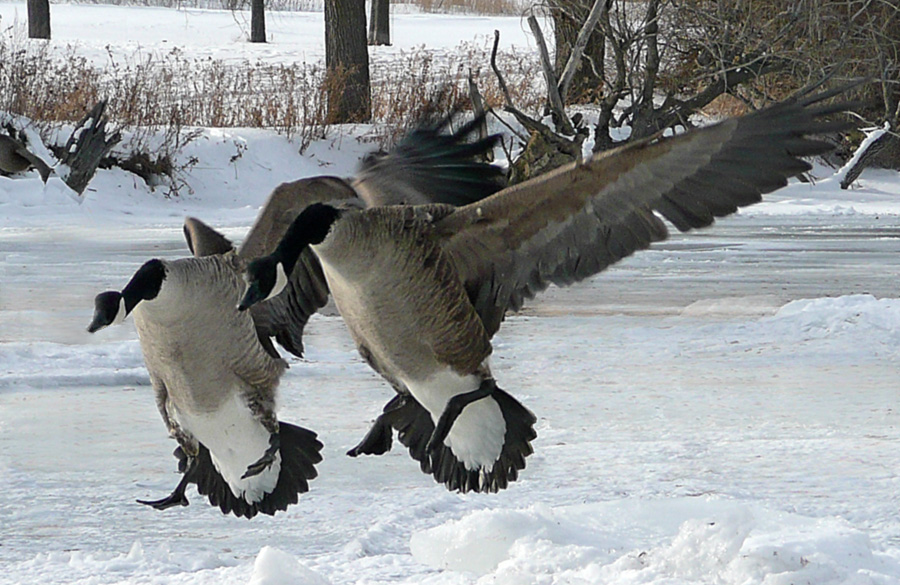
(170, 94)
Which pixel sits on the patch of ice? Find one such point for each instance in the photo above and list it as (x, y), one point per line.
(44, 365)
(138, 565)
(746, 306)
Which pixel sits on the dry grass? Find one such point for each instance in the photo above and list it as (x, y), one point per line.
(174, 91)
(161, 100)
(438, 6)
(420, 82)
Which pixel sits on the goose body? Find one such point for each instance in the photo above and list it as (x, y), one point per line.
(16, 158)
(219, 382)
(215, 385)
(423, 289)
(433, 356)
(215, 370)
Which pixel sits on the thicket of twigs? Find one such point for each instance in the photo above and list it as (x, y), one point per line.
(171, 95)
(433, 6)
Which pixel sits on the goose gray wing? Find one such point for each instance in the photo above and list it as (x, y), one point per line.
(427, 166)
(574, 222)
(431, 166)
(285, 316)
(203, 240)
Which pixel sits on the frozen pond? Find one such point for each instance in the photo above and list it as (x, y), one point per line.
(674, 388)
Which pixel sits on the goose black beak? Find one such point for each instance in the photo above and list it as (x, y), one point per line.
(252, 296)
(106, 308)
(96, 324)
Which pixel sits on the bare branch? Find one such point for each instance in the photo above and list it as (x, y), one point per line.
(556, 105)
(496, 69)
(597, 10)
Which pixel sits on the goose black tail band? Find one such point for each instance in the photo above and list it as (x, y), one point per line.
(415, 427)
(300, 451)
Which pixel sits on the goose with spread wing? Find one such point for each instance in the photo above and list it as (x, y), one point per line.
(423, 289)
(215, 370)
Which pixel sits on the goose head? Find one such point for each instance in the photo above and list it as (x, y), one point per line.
(267, 276)
(112, 306)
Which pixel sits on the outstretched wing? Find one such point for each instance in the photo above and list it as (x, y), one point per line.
(576, 221)
(429, 166)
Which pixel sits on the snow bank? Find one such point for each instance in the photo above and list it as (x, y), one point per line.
(276, 567)
(827, 316)
(686, 540)
(873, 194)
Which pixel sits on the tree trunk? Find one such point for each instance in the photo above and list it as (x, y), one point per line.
(568, 17)
(257, 21)
(347, 62)
(380, 23)
(87, 145)
(38, 19)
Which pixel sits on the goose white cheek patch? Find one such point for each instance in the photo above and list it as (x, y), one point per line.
(120, 313)
(281, 281)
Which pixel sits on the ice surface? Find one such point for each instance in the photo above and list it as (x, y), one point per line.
(720, 409)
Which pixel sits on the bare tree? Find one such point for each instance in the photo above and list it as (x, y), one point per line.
(568, 16)
(347, 61)
(380, 23)
(257, 21)
(38, 19)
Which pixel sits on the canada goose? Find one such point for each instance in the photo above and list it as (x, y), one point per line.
(215, 370)
(15, 158)
(215, 385)
(423, 289)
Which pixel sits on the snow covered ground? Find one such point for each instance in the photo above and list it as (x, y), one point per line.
(719, 409)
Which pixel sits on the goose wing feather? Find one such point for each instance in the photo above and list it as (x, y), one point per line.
(574, 222)
(428, 166)
(203, 240)
(285, 316)
(431, 166)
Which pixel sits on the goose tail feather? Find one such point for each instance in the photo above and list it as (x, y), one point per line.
(414, 427)
(300, 452)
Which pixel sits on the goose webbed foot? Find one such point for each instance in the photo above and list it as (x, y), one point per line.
(267, 459)
(380, 437)
(177, 497)
(452, 411)
(377, 441)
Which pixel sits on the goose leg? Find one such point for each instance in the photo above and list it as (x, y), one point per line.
(378, 440)
(267, 459)
(177, 497)
(453, 409)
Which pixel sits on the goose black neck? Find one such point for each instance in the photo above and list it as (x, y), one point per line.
(309, 228)
(144, 285)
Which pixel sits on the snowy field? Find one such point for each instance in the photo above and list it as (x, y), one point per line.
(720, 409)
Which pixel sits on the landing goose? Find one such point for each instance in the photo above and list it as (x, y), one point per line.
(215, 370)
(215, 385)
(15, 158)
(423, 289)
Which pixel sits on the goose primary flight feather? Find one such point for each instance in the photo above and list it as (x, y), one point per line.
(215, 370)
(423, 289)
